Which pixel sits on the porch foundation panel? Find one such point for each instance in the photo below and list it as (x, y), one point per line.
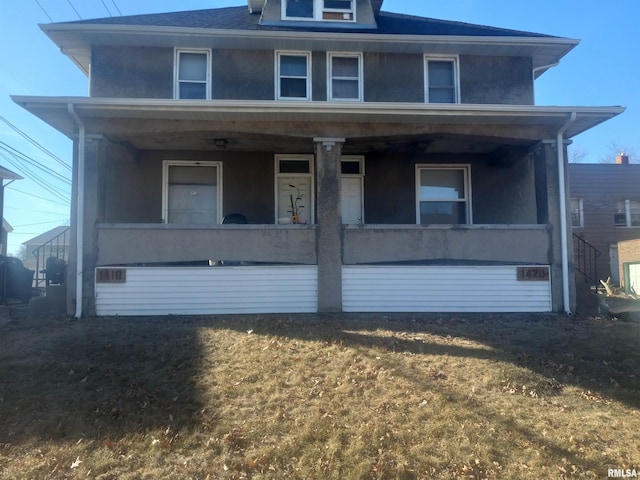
(452, 289)
(208, 291)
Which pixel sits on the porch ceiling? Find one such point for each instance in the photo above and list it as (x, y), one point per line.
(290, 126)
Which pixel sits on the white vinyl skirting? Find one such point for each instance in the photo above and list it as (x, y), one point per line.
(215, 290)
(370, 288)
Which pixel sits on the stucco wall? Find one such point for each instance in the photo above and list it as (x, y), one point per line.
(501, 194)
(248, 186)
(138, 72)
(132, 72)
(496, 80)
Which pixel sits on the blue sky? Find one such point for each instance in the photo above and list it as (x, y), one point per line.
(602, 71)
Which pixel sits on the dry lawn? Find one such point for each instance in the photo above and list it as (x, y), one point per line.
(319, 397)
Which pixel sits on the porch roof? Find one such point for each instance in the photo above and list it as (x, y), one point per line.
(121, 118)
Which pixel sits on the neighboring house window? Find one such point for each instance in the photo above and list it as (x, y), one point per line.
(345, 76)
(441, 75)
(193, 74)
(192, 192)
(329, 10)
(443, 194)
(577, 213)
(294, 188)
(627, 213)
(294, 77)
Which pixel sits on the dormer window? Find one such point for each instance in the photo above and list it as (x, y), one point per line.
(319, 10)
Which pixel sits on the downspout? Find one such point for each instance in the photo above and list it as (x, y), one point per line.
(79, 209)
(563, 213)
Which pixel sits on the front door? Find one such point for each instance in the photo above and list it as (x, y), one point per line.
(351, 190)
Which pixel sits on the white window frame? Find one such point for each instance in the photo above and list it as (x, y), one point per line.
(627, 214)
(176, 71)
(580, 212)
(311, 175)
(319, 10)
(287, 53)
(166, 164)
(455, 60)
(465, 168)
(330, 76)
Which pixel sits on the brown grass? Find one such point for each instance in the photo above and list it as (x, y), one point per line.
(319, 397)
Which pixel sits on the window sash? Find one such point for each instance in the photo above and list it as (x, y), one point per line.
(345, 74)
(627, 213)
(192, 74)
(577, 214)
(319, 10)
(294, 76)
(192, 192)
(443, 194)
(441, 77)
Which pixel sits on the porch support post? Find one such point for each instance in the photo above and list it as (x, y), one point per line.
(329, 223)
(93, 214)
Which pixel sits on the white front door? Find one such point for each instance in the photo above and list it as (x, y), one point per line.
(634, 278)
(352, 212)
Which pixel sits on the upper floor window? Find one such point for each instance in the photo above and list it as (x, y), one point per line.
(193, 74)
(345, 76)
(329, 10)
(627, 213)
(294, 77)
(443, 194)
(441, 75)
(577, 213)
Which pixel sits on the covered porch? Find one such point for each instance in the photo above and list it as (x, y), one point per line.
(506, 214)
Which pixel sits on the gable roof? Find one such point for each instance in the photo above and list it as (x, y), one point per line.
(47, 236)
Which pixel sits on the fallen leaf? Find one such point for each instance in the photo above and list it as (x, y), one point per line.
(77, 463)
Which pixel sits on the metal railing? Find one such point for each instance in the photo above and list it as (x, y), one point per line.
(58, 248)
(586, 259)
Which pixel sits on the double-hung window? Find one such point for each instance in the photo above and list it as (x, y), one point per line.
(192, 192)
(627, 213)
(443, 194)
(577, 213)
(327, 10)
(294, 76)
(345, 77)
(192, 74)
(441, 75)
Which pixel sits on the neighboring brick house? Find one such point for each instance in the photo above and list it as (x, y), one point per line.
(605, 209)
(382, 162)
(629, 256)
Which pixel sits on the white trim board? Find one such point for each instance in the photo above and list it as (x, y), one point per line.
(373, 288)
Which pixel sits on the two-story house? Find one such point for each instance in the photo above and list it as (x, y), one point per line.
(381, 162)
(605, 210)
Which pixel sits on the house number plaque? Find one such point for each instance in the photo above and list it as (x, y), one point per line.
(533, 274)
(111, 275)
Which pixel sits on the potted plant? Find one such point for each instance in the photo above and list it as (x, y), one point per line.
(296, 208)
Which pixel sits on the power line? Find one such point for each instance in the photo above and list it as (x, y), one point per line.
(116, 5)
(74, 9)
(33, 142)
(45, 12)
(106, 8)
(36, 224)
(37, 196)
(9, 149)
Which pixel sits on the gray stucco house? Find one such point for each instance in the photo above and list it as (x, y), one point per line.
(383, 162)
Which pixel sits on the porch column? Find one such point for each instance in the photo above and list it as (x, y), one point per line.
(329, 223)
(93, 206)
